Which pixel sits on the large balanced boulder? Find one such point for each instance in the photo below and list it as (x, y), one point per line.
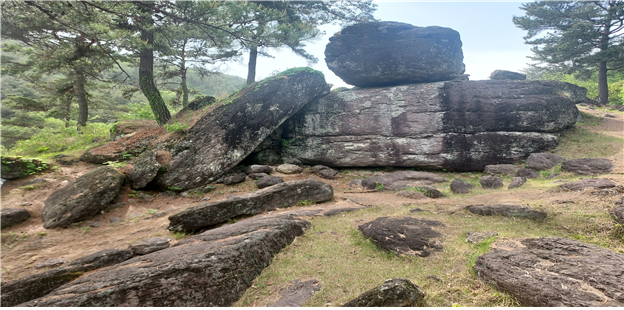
(236, 126)
(588, 166)
(83, 198)
(40, 284)
(281, 195)
(555, 272)
(400, 180)
(406, 235)
(214, 268)
(395, 292)
(390, 53)
(461, 125)
(12, 216)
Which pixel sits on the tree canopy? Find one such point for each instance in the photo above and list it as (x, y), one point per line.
(576, 36)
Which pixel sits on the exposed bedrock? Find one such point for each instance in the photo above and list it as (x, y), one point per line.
(228, 133)
(210, 269)
(462, 125)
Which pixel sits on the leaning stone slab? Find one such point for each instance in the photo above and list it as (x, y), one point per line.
(390, 53)
(11, 216)
(38, 285)
(406, 235)
(281, 195)
(86, 197)
(555, 272)
(236, 126)
(297, 293)
(507, 210)
(395, 292)
(588, 166)
(214, 269)
(587, 183)
(400, 180)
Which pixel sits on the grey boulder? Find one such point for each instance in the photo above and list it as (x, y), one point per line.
(528, 173)
(507, 75)
(491, 182)
(400, 180)
(144, 169)
(288, 169)
(234, 179)
(268, 180)
(325, 172)
(507, 210)
(543, 161)
(11, 216)
(588, 183)
(517, 182)
(86, 197)
(149, 245)
(395, 292)
(588, 166)
(461, 187)
(390, 53)
(408, 236)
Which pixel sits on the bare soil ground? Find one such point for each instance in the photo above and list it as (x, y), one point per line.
(332, 251)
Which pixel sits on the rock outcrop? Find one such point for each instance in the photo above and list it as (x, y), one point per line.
(281, 195)
(507, 210)
(395, 292)
(11, 216)
(87, 196)
(211, 269)
(236, 126)
(408, 236)
(555, 272)
(40, 284)
(460, 125)
(390, 53)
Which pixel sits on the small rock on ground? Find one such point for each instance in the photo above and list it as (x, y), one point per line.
(478, 236)
(507, 210)
(588, 166)
(411, 194)
(395, 292)
(288, 169)
(259, 169)
(491, 182)
(148, 246)
(587, 183)
(409, 236)
(235, 179)
(501, 169)
(11, 216)
(543, 161)
(528, 173)
(517, 182)
(297, 293)
(55, 262)
(325, 172)
(618, 214)
(256, 176)
(268, 181)
(461, 187)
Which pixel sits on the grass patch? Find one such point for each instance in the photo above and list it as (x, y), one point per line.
(581, 141)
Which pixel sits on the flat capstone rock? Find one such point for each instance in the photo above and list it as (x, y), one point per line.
(507, 210)
(395, 292)
(406, 235)
(555, 272)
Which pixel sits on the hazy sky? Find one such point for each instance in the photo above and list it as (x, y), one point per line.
(490, 39)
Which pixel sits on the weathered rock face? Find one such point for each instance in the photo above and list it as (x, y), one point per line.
(13, 168)
(461, 125)
(400, 180)
(281, 195)
(211, 269)
(10, 216)
(587, 183)
(390, 53)
(555, 272)
(543, 161)
(409, 236)
(393, 293)
(87, 196)
(588, 166)
(144, 170)
(508, 210)
(507, 75)
(231, 131)
(37, 285)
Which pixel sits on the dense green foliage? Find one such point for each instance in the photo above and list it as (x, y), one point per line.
(576, 37)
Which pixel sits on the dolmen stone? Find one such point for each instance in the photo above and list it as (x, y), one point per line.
(588, 166)
(268, 180)
(143, 169)
(406, 235)
(455, 125)
(15, 167)
(83, 198)
(587, 183)
(501, 169)
(297, 293)
(281, 195)
(395, 292)
(507, 210)
(40, 284)
(400, 180)
(517, 182)
(491, 182)
(461, 187)
(543, 161)
(230, 131)
(234, 179)
(288, 169)
(507, 75)
(390, 53)
(555, 272)
(12, 216)
(212, 269)
(149, 245)
(325, 172)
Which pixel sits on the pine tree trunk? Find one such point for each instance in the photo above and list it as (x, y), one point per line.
(81, 97)
(251, 68)
(603, 86)
(67, 110)
(183, 85)
(146, 73)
